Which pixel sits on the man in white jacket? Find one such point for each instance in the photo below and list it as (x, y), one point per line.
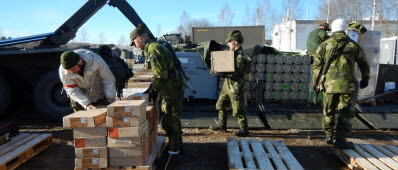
(87, 79)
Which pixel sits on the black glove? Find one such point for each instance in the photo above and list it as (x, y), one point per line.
(153, 95)
(363, 83)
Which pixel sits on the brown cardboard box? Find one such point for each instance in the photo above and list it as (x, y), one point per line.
(140, 96)
(122, 132)
(90, 118)
(223, 61)
(91, 163)
(126, 161)
(90, 132)
(125, 142)
(125, 121)
(97, 141)
(127, 108)
(91, 152)
(152, 140)
(152, 117)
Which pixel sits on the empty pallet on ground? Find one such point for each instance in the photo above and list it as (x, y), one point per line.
(260, 154)
(21, 148)
(366, 156)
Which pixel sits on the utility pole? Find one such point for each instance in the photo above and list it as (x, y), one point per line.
(373, 15)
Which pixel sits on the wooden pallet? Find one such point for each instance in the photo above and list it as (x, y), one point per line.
(366, 156)
(367, 103)
(21, 148)
(150, 165)
(256, 154)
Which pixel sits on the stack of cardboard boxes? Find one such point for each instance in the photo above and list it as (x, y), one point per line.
(128, 133)
(89, 137)
(121, 135)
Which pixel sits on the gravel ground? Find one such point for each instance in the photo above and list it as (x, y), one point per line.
(206, 149)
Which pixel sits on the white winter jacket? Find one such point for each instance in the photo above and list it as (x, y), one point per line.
(98, 81)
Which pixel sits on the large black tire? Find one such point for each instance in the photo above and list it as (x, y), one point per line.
(49, 98)
(5, 95)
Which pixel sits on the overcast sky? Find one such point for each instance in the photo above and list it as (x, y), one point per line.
(30, 17)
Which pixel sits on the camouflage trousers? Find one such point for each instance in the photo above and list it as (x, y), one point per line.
(344, 102)
(237, 101)
(171, 109)
(77, 107)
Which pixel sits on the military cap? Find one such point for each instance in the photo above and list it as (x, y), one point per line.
(140, 29)
(69, 59)
(235, 35)
(326, 25)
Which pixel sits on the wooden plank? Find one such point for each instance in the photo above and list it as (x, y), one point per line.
(285, 153)
(13, 140)
(382, 157)
(234, 155)
(247, 154)
(370, 158)
(259, 152)
(354, 157)
(16, 144)
(392, 148)
(21, 149)
(387, 152)
(274, 155)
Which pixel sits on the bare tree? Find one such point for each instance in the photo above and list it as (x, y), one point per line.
(83, 36)
(122, 42)
(247, 18)
(293, 8)
(186, 24)
(101, 38)
(226, 15)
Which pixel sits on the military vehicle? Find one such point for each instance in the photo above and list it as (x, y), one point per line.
(29, 77)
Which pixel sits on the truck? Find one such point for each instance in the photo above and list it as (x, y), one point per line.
(29, 76)
(253, 35)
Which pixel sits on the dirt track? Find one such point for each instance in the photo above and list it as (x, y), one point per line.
(205, 149)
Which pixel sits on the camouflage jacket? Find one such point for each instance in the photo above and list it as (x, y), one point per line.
(235, 82)
(166, 76)
(340, 77)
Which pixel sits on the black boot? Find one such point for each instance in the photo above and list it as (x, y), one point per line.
(242, 133)
(219, 128)
(343, 144)
(329, 139)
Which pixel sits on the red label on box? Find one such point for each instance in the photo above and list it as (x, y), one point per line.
(80, 143)
(113, 132)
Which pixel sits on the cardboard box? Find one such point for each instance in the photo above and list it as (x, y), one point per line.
(89, 118)
(127, 108)
(121, 132)
(126, 161)
(91, 163)
(125, 121)
(101, 152)
(86, 142)
(140, 96)
(90, 132)
(152, 117)
(223, 61)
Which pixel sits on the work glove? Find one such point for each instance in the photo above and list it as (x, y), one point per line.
(363, 83)
(153, 95)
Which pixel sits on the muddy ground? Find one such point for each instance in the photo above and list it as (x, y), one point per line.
(206, 149)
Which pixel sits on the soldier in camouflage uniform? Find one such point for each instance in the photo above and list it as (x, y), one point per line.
(338, 84)
(233, 87)
(316, 37)
(168, 83)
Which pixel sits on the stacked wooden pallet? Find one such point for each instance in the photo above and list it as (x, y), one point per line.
(21, 148)
(256, 154)
(366, 156)
(122, 135)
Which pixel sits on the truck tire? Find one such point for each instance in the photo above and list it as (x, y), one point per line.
(5, 95)
(49, 98)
